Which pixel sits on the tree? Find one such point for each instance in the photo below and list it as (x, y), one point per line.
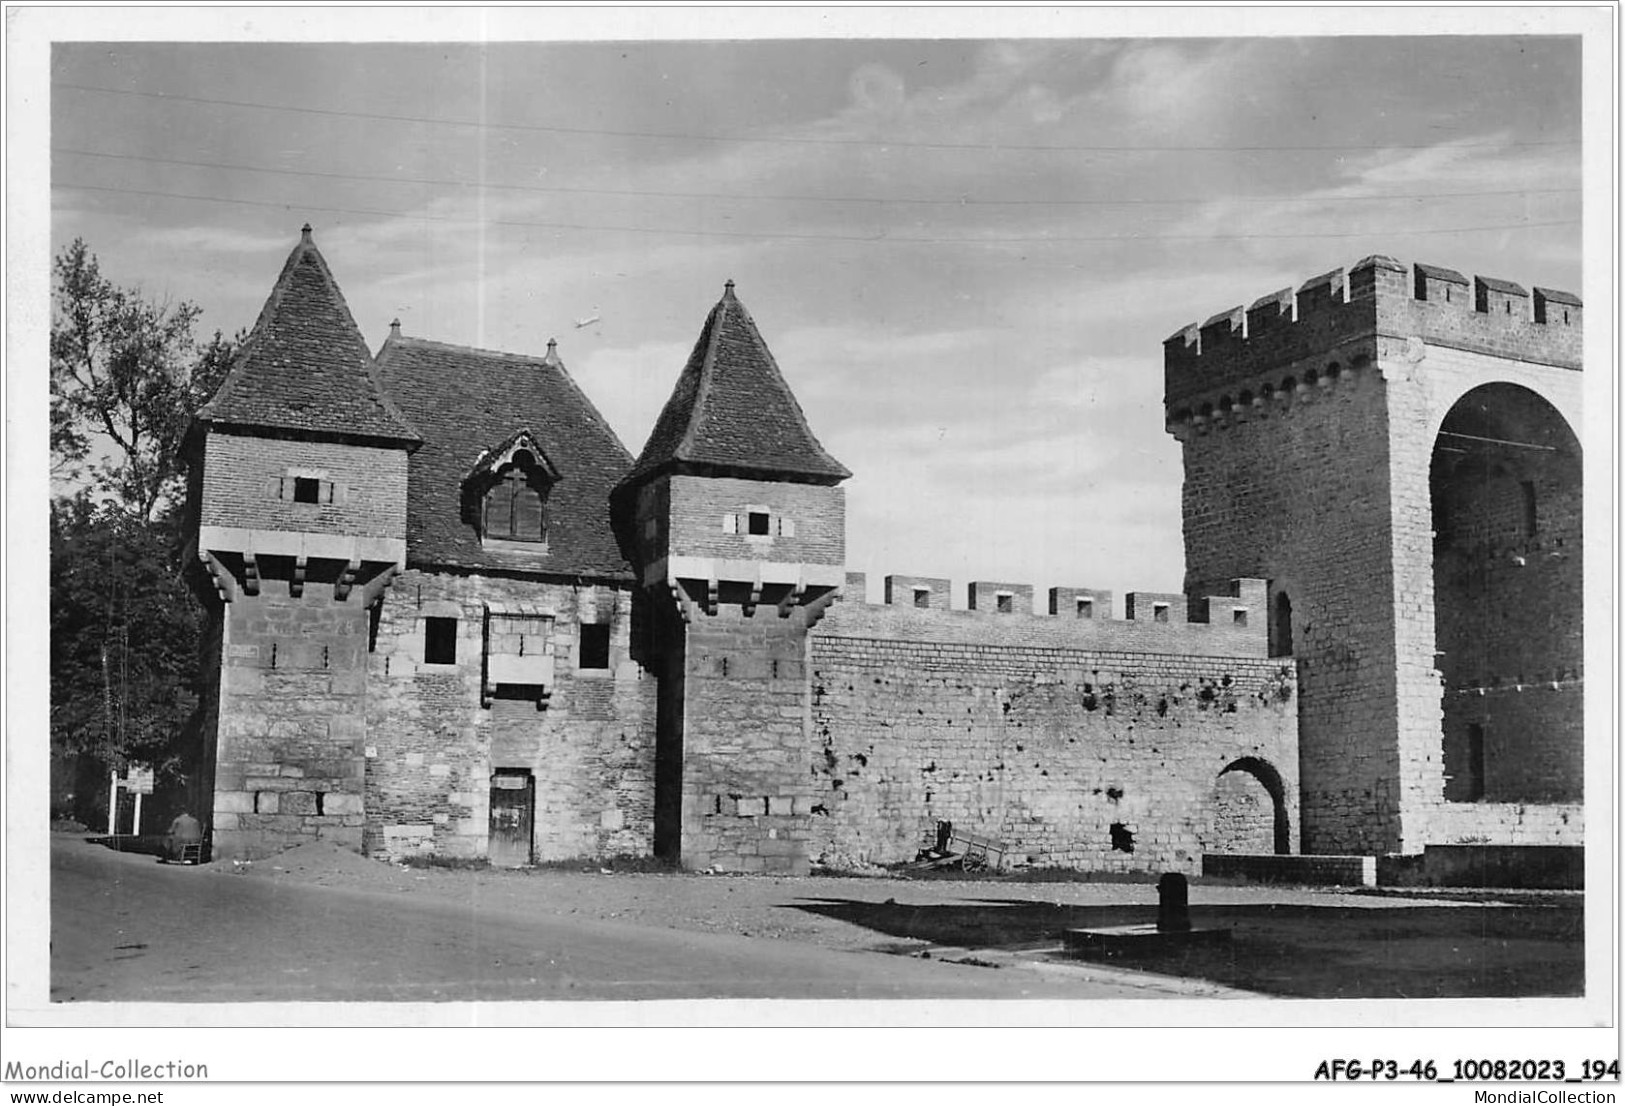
(127, 376)
(124, 637)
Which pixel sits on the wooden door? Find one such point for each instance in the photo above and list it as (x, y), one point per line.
(513, 811)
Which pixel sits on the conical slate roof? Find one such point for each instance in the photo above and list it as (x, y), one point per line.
(305, 366)
(731, 412)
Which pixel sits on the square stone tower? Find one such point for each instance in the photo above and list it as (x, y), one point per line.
(736, 526)
(1393, 449)
(298, 488)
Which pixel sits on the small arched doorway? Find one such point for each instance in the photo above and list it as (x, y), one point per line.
(1505, 488)
(1249, 809)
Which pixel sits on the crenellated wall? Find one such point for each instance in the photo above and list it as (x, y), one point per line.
(1309, 424)
(1244, 355)
(1094, 743)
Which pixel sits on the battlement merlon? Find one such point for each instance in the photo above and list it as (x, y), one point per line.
(1231, 624)
(1378, 296)
(1247, 596)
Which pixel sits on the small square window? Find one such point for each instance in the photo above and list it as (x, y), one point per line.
(1004, 602)
(594, 645)
(1238, 616)
(1159, 612)
(922, 597)
(439, 641)
(307, 489)
(1086, 608)
(759, 523)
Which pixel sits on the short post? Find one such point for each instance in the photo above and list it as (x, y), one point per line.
(112, 805)
(1173, 904)
(136, 829)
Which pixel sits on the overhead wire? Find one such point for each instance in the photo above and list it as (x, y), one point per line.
(801, 140)
(963, 201)
(990, 240)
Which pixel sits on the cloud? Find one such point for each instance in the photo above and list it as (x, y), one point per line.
(629, 385)
(206, 238)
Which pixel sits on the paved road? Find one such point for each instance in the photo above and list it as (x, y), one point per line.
(125, 928)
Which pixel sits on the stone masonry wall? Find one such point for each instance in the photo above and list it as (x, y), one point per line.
(816, 517)
(432, 746)
(1510, 628)
(293, 691)
(1073, 752)
(747, 792)
(1296, 491)
(241, 477)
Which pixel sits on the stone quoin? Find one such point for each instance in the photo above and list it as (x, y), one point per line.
(451, 614)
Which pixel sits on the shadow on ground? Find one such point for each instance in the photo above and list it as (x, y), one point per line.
(1459, 951)
(150, 844)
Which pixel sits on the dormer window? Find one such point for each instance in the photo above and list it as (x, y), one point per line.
(515, 505)
(505, 495)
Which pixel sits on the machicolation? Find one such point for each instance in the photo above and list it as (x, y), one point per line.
(1247, 358)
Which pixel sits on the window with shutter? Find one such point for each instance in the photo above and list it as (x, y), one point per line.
(515, 506)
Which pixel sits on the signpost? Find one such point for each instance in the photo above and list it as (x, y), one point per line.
(137, 781)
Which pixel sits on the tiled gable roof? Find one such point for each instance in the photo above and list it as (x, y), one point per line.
(305, 366)
(470, 402)
(731, 411)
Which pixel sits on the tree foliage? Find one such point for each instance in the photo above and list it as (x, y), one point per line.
(124, 636)
(127, 375)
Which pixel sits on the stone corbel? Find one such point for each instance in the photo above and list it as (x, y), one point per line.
(792, 599)
(341, 590)
(251, 575)
(296, 586)
(817, 607)
(373, 589)
(224, 585)
(681, 601)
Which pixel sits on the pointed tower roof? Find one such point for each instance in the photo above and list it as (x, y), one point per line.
(731, 412)
(305, 367)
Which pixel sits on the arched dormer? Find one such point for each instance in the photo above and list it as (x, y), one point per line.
(505, 494)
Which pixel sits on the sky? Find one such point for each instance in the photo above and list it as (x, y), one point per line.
(965, 253)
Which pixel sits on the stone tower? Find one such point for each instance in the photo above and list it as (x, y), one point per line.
(1398, 458)
(298, 488)
(736, 526)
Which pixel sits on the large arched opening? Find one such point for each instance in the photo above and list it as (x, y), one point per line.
(1505, 488)
(1249, 809)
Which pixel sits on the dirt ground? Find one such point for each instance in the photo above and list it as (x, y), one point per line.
(1287, 940)
(801, 909)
